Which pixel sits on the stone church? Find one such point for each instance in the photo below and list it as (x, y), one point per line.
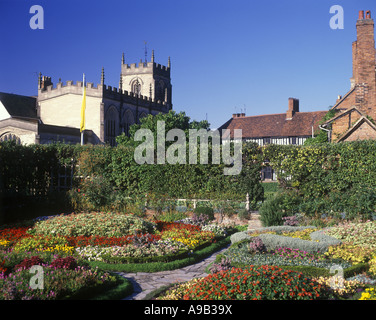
(55, 113)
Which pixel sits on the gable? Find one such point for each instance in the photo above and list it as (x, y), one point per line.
(18, 106)
(4, 114)
(364, 129)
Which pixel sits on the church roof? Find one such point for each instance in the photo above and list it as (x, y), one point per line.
(275, 125)
(19, 106)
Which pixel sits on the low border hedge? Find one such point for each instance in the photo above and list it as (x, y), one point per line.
(121, 291)
(320, 241)
(193, 257)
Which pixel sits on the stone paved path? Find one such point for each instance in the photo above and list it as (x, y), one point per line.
(144, 282)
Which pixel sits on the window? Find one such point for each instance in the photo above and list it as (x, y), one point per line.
(112, 124)
(293, 140)
(128, 120)
(267, 173)
(10, 137)
(267, 141)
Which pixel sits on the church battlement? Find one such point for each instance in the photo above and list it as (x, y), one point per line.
(114, 93)
(50, 91)
(149, 67)
(146, 67)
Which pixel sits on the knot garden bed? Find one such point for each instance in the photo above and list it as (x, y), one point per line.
(96, 244)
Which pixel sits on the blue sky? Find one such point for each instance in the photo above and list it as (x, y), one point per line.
(226, 56)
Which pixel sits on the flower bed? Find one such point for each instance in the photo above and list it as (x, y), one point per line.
(62, 278)
(93, 224)
(252, 283)
(115, 239)
(124, 242)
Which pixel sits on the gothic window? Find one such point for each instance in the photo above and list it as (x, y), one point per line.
(160, 91)
(128, 120)
(143, 115)
(10, 137)
(112, 124)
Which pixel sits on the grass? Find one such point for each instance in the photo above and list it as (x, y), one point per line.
(122, 290)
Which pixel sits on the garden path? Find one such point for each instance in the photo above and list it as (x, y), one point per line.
(144, 282)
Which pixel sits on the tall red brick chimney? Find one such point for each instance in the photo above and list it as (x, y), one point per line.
(364, 64)
(293, 108)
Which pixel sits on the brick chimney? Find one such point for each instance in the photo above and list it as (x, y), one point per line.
(293, 108)
(364, 63)
(238, 115)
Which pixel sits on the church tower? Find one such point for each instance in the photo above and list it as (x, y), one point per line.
(148, 79)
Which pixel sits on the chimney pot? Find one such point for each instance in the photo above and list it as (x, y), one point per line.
(361, 15)
(368, 14)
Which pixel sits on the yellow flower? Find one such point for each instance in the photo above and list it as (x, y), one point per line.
(368, 294)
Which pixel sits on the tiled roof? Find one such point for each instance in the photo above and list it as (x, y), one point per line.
(275, 125)
(19, 106)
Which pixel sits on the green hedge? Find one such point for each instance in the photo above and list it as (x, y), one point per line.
(328, 178)
(194, 257)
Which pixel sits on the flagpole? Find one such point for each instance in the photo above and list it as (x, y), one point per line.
(83, 93)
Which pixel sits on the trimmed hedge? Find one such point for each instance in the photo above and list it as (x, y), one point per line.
(328, 178)
(194, 257)
(320, 241)
(274, 241)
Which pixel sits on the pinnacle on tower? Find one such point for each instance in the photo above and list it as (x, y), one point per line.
(40, 80)
(152, 56)
(123, 59)
(169, 63)
(102, 77)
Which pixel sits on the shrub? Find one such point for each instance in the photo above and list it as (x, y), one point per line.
(199, 219)
(223, 265)
(273, 241)
(94, 224)
(290, 221)
(67, 263)
(27, 263)
(256, 283)
(271, 211)
(207, 211)
(256, 245)
(239, 236)
(58, 284)
(243, 214)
